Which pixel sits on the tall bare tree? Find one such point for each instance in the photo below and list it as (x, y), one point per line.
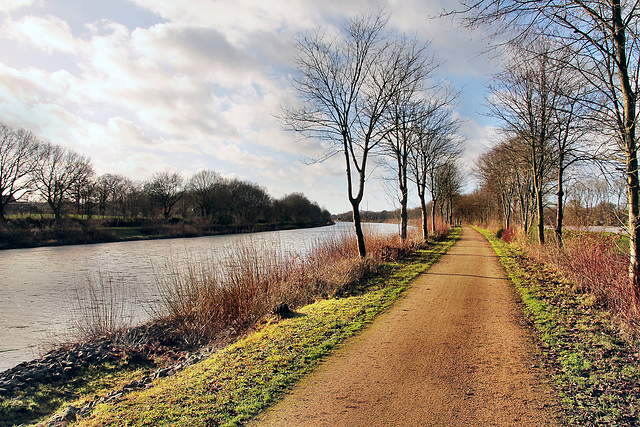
(111, 190)
(165, 189)
(402, 122)
(448, 181)
(573, 129)
(436, 145)
(347, 82)
(497, 169)
(17, 155)
(526, 97)
(203, 186)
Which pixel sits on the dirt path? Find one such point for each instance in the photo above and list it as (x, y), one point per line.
(452, 352)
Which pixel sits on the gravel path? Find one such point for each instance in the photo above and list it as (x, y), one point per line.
(452, 352)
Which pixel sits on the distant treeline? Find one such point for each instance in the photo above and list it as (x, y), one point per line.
(62, 184)
(381, 216)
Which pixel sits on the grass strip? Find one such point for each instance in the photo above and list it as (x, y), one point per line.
(594, 369)
(235, 384)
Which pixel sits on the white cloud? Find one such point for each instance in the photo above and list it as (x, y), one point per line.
(479, 139)
(47, 33)
(199, 51)
(11, 5)
(238, 17)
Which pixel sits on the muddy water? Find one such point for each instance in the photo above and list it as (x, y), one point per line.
(41, 289)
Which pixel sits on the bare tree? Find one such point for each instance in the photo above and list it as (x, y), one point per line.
(347, 82)
(505, 175)
(498, 171)
(203, 185)
(526, 98)
(448, 182)
(57, 170)
(82, 195)
(166, 190)
(398, 143)
(573, 126)
(111, 190)
(436, 145)
(17, 151)
(402, 122)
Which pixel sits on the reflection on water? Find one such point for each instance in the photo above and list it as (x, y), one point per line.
(40, 286)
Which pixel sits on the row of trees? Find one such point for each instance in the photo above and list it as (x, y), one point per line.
(28, 165)
(588, 201)
(574, 77)
(547, 132)
(366, 92)
(66, 181)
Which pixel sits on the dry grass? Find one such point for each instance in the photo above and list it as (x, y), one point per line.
(103, 308)
(213, 299)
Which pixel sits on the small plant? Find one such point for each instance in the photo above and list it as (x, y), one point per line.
(101, 309)
(508, 234)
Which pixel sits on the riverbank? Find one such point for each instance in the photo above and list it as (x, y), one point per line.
(234, 382)
(31, 232)
(593, 362)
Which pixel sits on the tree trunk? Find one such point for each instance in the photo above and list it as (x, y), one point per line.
(404, 216)
(540, 208)
(404, 196)
(507, 221)
(634, 223)
(560, 213)
(629, 135)
(357, 223)
(423, 209)
(433, 217)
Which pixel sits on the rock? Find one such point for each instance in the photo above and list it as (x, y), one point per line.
(161, 373)
(70, 414)
(282, 310)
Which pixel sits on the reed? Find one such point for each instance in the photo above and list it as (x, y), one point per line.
(103, 308)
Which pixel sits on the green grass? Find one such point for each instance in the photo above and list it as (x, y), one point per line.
(594, 369)
(128, 232)
(235, 384)
(37, 403)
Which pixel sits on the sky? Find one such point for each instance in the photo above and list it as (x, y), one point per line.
(143, 86)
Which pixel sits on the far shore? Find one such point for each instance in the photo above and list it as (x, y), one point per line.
(77, 232)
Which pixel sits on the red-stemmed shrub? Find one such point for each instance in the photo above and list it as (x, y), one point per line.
(599, 265)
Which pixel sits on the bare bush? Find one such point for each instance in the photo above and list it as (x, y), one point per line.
(598, 264)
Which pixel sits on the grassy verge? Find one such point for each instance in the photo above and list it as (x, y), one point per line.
(236, 383)
(594, 368)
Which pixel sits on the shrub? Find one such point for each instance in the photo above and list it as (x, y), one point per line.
(598, 264)
(508, 234)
